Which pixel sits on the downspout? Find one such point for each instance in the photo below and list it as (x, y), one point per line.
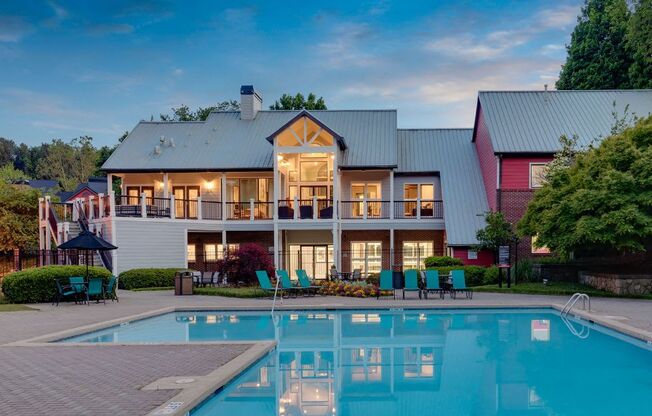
(499, 182)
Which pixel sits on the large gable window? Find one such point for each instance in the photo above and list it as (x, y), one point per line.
(304, 132)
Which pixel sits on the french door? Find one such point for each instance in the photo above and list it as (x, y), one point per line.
(185, 201)
(314, 259)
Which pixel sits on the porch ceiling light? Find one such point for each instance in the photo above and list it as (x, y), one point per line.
(209, 185)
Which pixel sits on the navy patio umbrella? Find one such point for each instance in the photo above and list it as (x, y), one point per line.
(87, 241)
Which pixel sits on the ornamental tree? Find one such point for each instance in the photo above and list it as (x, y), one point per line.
(498, 232)
(602, 201)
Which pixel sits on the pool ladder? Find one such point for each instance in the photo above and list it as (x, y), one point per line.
(573, 300)
(275, 293)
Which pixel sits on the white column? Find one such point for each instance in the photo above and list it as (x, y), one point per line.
(277, 184)
(391, 248)
(109, 183)
(314, 207)
(419, 204)
(277, 263)
(336, 186)
(143, 205)
(223, 195)
(48, 232)
(199, 213)
(100, 205)
(296, 207)
(336, 246)
(391, 194)
(364, 207)
(111, 203)
(252, 205)
(166, 188)
(224, 245)
(41, 209)
(91, 211)
(339, 239)
(172, 207)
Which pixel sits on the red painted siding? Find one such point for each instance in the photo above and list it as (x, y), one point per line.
(487, 160)
(485, 258)
(516, 171)
(84, 193)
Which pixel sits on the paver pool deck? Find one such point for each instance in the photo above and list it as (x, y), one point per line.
(94, 379)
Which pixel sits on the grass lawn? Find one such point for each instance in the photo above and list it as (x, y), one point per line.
(232, 292)
(12, 307)
(552, 288)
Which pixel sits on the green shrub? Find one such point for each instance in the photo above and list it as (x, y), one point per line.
(373, 279)
(232, 292)
(523, 271)
(442, 261)
(38, 284)
(137, 278)
(473, 275)
(491, 275)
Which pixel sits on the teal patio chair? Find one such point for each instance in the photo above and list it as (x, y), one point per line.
(64, 291)
(78, 285)
(304, 282)
(411, 282)
(110, 289)
(386, 283)
(287, 285)
(432, 283)
(264, 282)
(95, 289)
(459, 285)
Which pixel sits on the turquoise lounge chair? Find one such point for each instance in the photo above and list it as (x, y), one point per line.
(286, 283)
(110, 290)
(78, 285)
(64, 291)
(264, 282)
(95, 289)
(411, 282)
(386, 283)
(432, 283)
(305, 284)
(459, 284)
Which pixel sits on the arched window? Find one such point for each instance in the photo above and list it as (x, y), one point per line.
(304, 132)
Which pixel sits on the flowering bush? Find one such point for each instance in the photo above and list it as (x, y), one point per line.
(355, 289)
(241, 265)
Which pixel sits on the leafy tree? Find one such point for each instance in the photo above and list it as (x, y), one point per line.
(69, 163)
(498, 232)
(639, 41)
(602, 201)
(598, 57)
(298, 102)
(183, 113)
(9, 174)
(103, 154)
(7, 151)
(27, 158)
(18, 217)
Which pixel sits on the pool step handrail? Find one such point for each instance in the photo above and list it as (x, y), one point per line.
(275, 293)
(573, 300)
(583, 333)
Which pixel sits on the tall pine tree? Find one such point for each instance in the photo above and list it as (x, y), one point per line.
(598, 57)
(639, 41)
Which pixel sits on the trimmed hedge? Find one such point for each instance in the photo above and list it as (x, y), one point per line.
(138, 278)
(474, 275)
(442, 261)
(37, 285)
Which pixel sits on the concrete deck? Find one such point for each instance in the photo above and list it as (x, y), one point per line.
(70, 379)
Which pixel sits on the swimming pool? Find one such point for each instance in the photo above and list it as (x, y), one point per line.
(415, 362)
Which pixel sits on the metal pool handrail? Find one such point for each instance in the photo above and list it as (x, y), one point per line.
(573, 300)
(275, 292)
(583, 333)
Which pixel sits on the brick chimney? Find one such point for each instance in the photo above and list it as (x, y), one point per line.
(251, 102)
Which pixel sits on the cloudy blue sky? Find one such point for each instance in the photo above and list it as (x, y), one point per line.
(71, 68)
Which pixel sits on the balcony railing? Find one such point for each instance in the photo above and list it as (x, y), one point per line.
(305, 209)
(364, 209)
(252, 210)
(211, 210)
(426, 209)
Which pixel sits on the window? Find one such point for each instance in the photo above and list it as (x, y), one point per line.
(472, 255)
(304, 132)
(314, 171)
(213, 252)
(369, 190)
(538, 250)
(538, 174)
(423, 191)
(242, 190)
(134, 192)
(415, 253)
(366, 256)
(192, 253)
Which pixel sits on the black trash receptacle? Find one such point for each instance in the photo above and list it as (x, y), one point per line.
(397, 280)
(183, 282)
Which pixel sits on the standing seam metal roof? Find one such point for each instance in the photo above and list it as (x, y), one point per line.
(224, 141)
(451, 153)
(533, 121)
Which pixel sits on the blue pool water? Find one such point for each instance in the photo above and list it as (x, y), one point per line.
(376, 363)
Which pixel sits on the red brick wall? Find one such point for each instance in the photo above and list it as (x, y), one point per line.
(513, 205)
(515, 171)
(264, 238)
(487, 159)
(364, 235)
(485, 258)
(400, 236)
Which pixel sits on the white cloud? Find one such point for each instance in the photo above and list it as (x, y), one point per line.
(562, 17)
(344, 47)
(60, 14)
(13, 28)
